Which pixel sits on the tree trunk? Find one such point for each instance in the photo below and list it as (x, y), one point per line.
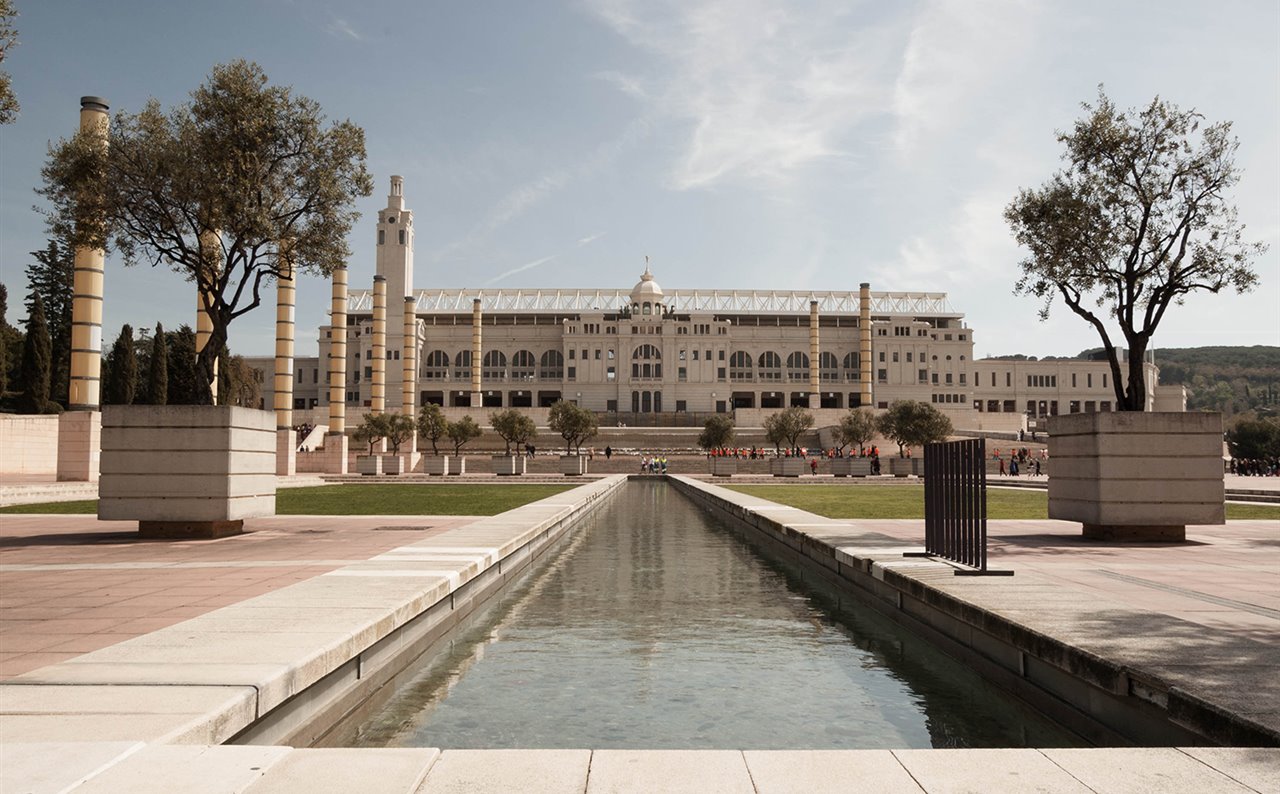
(1135, 393)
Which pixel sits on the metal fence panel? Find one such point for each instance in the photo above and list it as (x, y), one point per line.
(955, 502)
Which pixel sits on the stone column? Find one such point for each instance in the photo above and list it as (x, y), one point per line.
(86, 302)
(864, 342)
(286, 443)
(335, 442)
(378, 388)
(209, 243)
(815, 354)
(477, 355)
(409, 378)
(80, 428)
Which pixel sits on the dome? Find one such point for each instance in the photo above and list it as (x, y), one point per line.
(647, 290)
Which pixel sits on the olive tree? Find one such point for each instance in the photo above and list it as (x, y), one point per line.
(911, 423)
(574, 424)
(241, 185)
(1138, 219)
(787, 425)
(856, 427)
(513, 427)
(462, 431)
(717, 432)
(372, 429)
(432, 425)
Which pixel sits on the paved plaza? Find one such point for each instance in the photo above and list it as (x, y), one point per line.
(1204, 616)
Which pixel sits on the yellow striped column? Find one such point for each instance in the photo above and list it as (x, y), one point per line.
(815, 382)
(210, 252)
(378, 388)
(864, 342)
(409, 357)
(477, 355)
(338, 353)
(283, 384)
(86, 301)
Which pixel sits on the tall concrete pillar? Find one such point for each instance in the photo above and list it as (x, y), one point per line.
(409, 358)
(86, 302)
(286, 443)
(335, 442)
(210, 248)
(864, 343)
(815, 354)
(80, 428)
(477, 355)
(378, 388)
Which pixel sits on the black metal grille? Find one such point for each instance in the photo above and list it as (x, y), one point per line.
(955, 502)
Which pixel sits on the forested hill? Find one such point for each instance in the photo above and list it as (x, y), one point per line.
(1227, 379)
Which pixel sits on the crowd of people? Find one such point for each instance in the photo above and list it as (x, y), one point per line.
(1259, 467)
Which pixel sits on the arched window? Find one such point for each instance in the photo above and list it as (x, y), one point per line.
(648, 307)
(522, 365)
(798, 367)
(646, 362)
(852, 366)
(828, 367)
(462, 365)
(495, 366)
(770, 364)
(435, 365)
(552, 366)
(740, 366)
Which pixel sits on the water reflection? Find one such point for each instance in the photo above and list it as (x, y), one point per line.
(658, 627)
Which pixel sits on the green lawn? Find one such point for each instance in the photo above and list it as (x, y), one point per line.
(353, 500)
(907, 501)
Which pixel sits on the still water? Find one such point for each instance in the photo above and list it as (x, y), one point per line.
(657, 626)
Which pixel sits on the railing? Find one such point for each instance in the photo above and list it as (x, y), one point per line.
(955, 504)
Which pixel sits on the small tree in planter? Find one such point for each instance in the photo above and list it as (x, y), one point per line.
(432, 425)
(911, 423)
(717, 432)
(399, 429)
(459, 433)
(856, 427)
(575, 425)
(514, 427)
(787, 426)
(373, 428)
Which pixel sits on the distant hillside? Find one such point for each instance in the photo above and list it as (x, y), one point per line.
(1227, 379)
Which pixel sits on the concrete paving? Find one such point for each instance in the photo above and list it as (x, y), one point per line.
(147, 655)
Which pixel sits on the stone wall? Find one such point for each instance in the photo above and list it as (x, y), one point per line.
(30, 445)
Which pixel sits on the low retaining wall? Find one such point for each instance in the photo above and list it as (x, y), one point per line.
(30, 445)
(1102, 700)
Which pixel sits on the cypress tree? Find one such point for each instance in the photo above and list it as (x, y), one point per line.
(10, 343)
(158, 372)
(182, 366)
(124, 369)
(35, 362)
(51, 277)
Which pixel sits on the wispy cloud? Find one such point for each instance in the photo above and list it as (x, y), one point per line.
(521, 269)
(341, 28)
(763, 88)
(591, 238)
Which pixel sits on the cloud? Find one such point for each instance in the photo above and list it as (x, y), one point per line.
(341, 28)
(521, 269)
(590, 238)
(762, 88)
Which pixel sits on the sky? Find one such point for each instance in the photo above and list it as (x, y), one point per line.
(752, 144)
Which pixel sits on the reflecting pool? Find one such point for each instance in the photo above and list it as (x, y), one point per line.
(658, 626)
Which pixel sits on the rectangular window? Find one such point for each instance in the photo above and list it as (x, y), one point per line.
(597, 354)
(895, 357)
(695, 355)
(882, 375)
(402, 236)
(368, 372)
(584, 354)
(682, 374)
(610, 374)
(909, 357)
(573, 373)
(934, 379)
(881, 356)
(1089, 380)
(1104, 382)
(682, 355)
(1008, 379)
(382, 236)
(721, 355)
(962, 376)
(948, 378)
(720, 373)
(1073, 383)
(572, 353)
(368, 354)
(611, 355)
(924, 375)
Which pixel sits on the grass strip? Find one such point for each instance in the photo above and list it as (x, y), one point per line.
(907, 501)
(375, 499)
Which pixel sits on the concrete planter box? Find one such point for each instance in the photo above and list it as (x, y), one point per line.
(439, 465)
(573, 465)
(724, 467)
(507, 465)
(851, 467)
(392, 464)
(902, 467)
(788, 467)
(1137, 475)
(369, 464)
(187, 470)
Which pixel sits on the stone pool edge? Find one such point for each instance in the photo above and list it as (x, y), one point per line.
(1102, 699)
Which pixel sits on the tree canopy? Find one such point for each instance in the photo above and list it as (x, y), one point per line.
(432, 425)
(857, 427)
(8, 38)
(1138, 219)
(462, 431)
(242, 184)
(911, 423)
(787, 425)
(513, 427)
(35, 363)
(717, 432)
(574, 424)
